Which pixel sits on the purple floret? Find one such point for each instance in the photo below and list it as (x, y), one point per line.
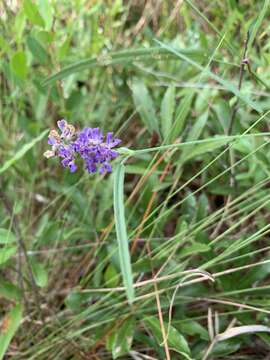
(88, 144)
(96, 153)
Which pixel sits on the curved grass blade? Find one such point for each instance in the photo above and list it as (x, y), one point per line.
(121, 231)
(123, 56)
(22, 152)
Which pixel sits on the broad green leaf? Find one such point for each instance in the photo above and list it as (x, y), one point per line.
(32, 13)
(176, 341)
(202, 207)
(76, 299)
(46, 10)
(19, 154)
(19, 65)
(120, 341)
(144, 105)
(39, 272)
(194, 134)
(121, 231)
(7, 236)
(197, 127)
(192, 328)
(6, 253)
(223, 111)
(181, 116)
(111, 276)
(9, 326)
(167, 110)
(37, 50)
(9, 291)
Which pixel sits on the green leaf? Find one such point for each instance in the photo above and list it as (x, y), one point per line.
(6, 236)
(4, 45)
(199, 149)
(6, 253)
(37, 50)
(111, 276)
(46, 10)
(9, 327)
(121, 231)
(195, 248)
(39, 272)
(192, 328)
(167, 110)
(176, 341)
(19, 65)
(181, 116)
(9, 291)
(19, 154)
(194, 134)
(32, 13)
(120, 341)
(144, 105)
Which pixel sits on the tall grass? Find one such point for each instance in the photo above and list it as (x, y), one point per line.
(168, 256)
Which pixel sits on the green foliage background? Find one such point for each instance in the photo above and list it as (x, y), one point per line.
(185, 84)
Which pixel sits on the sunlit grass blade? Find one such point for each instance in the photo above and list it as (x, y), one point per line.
(121, 231)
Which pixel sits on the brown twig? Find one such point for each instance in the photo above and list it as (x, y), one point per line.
(244, 62)
(160, 315)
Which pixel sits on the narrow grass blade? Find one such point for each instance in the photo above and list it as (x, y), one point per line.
(228, 85)
(121, 231)
(9, 326)
(258, 23)
(22, 152)
(211, 25)
(114, 58)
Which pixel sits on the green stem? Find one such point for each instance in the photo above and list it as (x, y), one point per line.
(130, 152)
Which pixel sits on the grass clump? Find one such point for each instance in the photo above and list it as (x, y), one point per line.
(166, 257)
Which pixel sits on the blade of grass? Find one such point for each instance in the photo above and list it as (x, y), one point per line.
(257, 24)
(115, 58)
(228, 85)
(22, 152)
(121, 231)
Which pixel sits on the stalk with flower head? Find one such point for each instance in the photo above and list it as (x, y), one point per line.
(97, 152)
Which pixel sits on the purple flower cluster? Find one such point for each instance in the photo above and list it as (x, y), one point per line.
(89, 144)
